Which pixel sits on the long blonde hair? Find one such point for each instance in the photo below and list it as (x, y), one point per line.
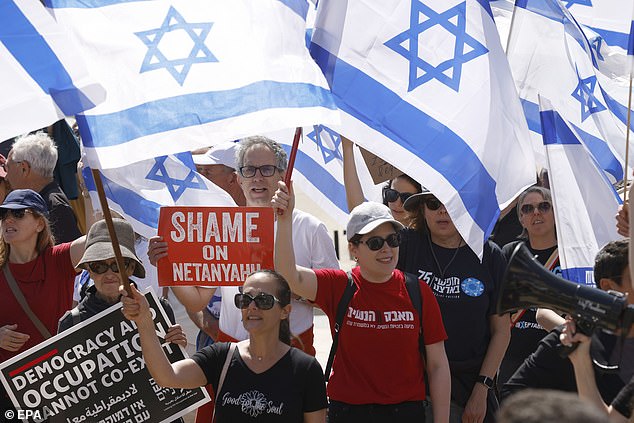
(45, 240)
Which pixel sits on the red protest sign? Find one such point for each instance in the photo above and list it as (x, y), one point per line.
(214, 246)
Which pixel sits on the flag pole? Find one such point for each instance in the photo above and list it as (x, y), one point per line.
(627, 140)
(291, 157)
(96, 175)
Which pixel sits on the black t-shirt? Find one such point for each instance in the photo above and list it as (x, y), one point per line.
(526, 333)
(624, 401)
(467, 294)
(61, 214)
(293, 386)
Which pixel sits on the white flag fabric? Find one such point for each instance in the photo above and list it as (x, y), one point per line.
(138, 191)
(43, 77)
(425, 85)
(584, 200)
(178, 72)
(550, 56)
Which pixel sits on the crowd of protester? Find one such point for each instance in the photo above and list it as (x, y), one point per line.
(417, 336)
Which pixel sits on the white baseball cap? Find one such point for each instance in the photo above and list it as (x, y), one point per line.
(223, 153)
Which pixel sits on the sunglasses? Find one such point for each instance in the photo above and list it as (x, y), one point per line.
(15, 213)
(265, 171)
(101, 267)
(391, 195)
(432, 203)
(262, 301)
(375, 243)
(543, 207)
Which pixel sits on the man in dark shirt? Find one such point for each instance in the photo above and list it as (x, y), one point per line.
(30, 164)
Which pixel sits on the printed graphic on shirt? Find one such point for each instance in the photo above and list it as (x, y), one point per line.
(472, 287)
(451, 287)
(395, 319)
(252, 403)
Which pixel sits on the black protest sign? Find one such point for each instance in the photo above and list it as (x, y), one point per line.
(95, 373)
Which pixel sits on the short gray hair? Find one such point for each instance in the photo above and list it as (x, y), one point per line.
(275, 147)
(39, 150)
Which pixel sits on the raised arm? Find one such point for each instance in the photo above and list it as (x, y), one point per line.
(182, 374)
(354, 192)
(302, 281)
(77, 248)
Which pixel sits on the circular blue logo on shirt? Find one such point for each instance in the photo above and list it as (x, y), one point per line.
(472, 287)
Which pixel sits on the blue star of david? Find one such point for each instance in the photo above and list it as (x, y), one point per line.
(329, 154)
(596, 46)
(449, 71)
(580, 2)
(176, 187)
(178, 68)
(584, 94)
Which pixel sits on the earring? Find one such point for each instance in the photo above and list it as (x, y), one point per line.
(355, 259)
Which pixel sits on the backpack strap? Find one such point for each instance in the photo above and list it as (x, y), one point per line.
(341, 312)
(413, 289)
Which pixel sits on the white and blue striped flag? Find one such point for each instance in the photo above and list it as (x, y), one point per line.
(179, 71)
(584, 200)
(137, 191)
(43, 78)
(425, 85)
(550, 56)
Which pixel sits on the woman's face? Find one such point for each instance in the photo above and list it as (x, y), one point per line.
(401, 185)
(537, 216)
(256, 319)
(107, 283)
(377, 264)
(440, 225)
(20, 226)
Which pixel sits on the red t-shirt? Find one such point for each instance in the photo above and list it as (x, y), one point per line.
(377, 360)
(47, 285)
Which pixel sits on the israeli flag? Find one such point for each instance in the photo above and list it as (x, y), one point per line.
(178, 71)
(318, 169)
(584, 200)
(425, 85)
(43, 77)
(550, 56)
(609, 19)
(138, 191)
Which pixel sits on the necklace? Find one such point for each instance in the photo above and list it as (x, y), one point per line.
(442, 270)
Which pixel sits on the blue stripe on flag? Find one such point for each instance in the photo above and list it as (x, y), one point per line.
(37, 58)
(612, 38)
(619, 110)
(406, 125)
(320, 178)
(545, 8)
(298, 6)
(141, 209)
(598, 148)
(581, 275)
(487, 7)
(198, 109)
(555, 130)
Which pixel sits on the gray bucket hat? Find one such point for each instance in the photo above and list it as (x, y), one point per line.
(368, 216)
(99, 246)
(413, 202)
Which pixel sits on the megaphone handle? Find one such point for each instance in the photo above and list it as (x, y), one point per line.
(583, 326)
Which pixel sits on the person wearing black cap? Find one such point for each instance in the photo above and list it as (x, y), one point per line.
(466, 289)
(36, 275)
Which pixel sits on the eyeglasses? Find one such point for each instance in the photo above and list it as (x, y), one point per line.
(432, 203)
(101, 267)
(265, 171)
(375, 243)
(15, 213)
(543, 207)
(391, 195)
(262, 301)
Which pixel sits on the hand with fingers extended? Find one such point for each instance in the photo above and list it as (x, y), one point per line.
(283, 201)
(623, 220)
(175, 335)
(157, 249)
(135, 306)
(10, 339)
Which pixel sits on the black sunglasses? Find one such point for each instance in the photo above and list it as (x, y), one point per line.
(375, 243)
(16, 213)
(391, 195)
(265, 171)
(543, 207)
(432, 203)
(262, 301)
(101, 267)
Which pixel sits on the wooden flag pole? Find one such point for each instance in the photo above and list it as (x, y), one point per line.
(291, 157)
(627, 141)
(113, 234)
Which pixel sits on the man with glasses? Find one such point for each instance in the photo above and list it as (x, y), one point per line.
(30, 165)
